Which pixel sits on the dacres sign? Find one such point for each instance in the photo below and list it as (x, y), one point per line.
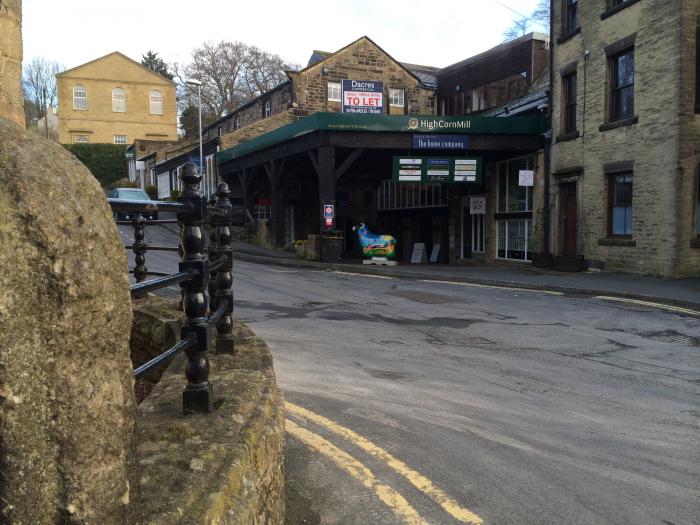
(363, 97)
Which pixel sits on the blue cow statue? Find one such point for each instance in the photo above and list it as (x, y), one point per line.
(374, 245)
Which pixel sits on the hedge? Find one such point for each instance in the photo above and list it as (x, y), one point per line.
(107, 162)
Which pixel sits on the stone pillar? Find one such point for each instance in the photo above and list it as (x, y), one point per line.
(11, 97)
(66, 381)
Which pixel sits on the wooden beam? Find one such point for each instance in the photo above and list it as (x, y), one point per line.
(354, 154)
(314, 161)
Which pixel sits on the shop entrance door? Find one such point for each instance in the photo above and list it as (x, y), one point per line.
(569, 209)
(466, 233)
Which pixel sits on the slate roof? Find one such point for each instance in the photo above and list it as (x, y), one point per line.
(426, 74)
(317, 56)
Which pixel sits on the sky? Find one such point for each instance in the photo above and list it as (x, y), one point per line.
(435, 33)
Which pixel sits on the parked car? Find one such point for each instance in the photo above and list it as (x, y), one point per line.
(131, 194)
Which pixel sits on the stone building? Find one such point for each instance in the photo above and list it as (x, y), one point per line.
(296, 145)
(315, 88)
(409, 88)
(626, 135)
(281, 161)
(115, 100)
(11, 96)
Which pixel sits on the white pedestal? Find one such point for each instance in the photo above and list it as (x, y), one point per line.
(381, 261)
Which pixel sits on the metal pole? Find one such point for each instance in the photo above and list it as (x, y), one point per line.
(46, 116)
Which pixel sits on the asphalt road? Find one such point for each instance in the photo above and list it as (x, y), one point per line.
(414, 401)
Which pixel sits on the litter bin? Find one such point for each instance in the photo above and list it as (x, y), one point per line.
(332, 246)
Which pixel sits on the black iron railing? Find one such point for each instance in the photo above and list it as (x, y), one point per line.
(205, 276)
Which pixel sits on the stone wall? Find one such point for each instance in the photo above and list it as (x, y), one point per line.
(361, 60)
(661, 144)
(11, 96)
(688, 259)
(256, 129)
(280, 102)
(224, 467)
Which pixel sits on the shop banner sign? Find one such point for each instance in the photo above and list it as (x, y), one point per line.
(450, 142)
(437, 169)
(363, 97)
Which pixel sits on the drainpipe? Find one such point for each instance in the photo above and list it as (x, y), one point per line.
(548, 140)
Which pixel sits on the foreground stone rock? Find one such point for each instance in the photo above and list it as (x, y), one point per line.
(224, 467)
(66, 381)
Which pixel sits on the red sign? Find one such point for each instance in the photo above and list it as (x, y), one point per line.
(329, 222)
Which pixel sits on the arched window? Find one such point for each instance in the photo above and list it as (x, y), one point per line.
(156, 103)
(79, 97)
(118, 100)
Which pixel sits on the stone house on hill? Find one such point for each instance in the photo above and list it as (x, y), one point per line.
(114, 99)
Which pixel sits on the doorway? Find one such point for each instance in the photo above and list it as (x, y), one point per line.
(569, 218)
(466, 233)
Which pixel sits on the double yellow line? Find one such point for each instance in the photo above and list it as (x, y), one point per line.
(397, 503)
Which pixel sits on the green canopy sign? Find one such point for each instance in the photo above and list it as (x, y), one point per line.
(464, 125)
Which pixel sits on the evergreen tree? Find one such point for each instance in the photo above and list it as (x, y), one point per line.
(153, 62)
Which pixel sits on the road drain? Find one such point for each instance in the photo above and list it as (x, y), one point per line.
(673, 337)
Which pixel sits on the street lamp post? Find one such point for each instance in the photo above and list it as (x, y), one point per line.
(198, 83)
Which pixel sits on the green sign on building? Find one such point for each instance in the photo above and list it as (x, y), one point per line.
(458, 170)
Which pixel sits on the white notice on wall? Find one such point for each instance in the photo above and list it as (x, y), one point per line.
(418, 255)
(163, 185)
(526, 177)
(477, 205)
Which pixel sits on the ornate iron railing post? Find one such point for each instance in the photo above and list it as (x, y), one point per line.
(224, 277)
(197, 396)
(140, 270)
(212, 250)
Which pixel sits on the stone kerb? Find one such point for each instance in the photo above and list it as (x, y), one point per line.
(224, 467)
(66, 381)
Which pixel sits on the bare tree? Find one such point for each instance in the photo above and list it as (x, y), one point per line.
(541, 14)
(518, 29)
(263, 71)
(220, 68)
(232, 73)
(39, 83)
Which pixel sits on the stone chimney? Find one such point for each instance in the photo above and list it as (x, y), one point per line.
(11, 98)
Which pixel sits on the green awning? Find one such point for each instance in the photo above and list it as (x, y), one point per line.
(387, 123)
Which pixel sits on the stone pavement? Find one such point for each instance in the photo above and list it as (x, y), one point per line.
(682, 292)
